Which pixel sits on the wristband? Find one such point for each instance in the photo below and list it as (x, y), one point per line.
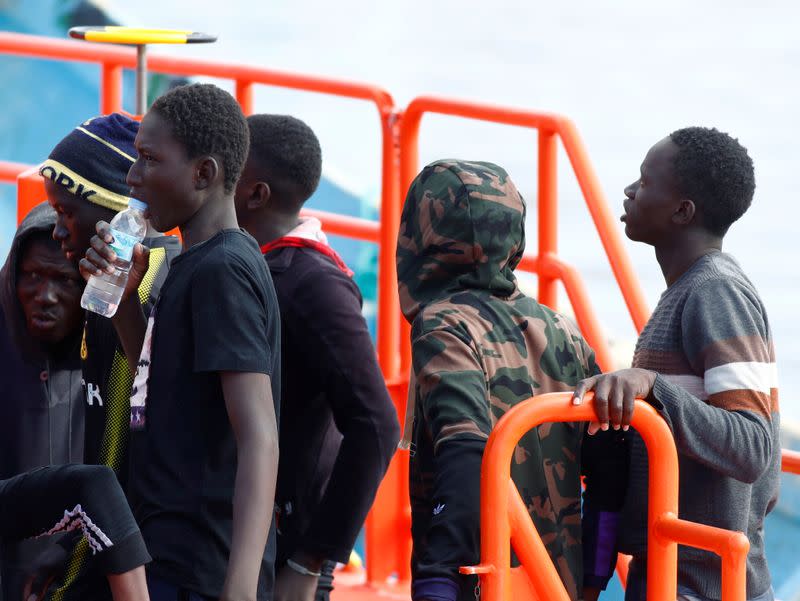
(302, 569)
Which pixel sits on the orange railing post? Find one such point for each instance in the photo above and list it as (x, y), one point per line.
(30, 191)
(388, 302)
(244, 95)
(548, 214)
(390, 516)
(111, 89)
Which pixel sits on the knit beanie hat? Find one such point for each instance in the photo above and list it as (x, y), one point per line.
(93, 160)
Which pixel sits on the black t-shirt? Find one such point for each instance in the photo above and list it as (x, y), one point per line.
(217, 311)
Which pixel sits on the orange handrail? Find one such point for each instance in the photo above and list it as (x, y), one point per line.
(10, 170)
(550, 127)
(339, 225)
(390, 518)
(114, 58)
(502, 510)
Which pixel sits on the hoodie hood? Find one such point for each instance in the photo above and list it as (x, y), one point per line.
(41, 218)
(462, 227)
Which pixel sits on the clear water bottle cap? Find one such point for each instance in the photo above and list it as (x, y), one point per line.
(137, 204)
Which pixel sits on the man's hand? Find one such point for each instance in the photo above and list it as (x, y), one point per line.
(100, 257)
(44, 569)
(614, 394)
(293, 586)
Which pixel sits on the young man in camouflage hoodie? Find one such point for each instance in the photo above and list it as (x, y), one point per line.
(480, 346)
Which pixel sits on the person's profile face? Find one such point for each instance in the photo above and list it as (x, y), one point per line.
(75, 219)
(652, 199)
(49, 289)
(162, 176)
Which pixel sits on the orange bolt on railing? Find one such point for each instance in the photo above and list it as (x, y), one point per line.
(504, 517)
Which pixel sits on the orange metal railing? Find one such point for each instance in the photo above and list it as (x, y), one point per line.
(546, 264)
(504, 517)
(112, 59)
(390, 517)
(339, 225)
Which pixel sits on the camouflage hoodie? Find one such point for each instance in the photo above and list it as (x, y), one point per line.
(479, 347)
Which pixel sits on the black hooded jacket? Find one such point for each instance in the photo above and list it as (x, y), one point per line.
(41, 403)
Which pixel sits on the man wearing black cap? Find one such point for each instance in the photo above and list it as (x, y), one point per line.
(84, 178)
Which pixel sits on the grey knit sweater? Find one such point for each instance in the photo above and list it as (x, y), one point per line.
(710, 342)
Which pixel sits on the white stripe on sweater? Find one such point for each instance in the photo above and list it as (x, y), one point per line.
(743, 375)
(691, 384)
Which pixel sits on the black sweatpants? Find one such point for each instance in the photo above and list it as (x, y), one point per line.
(56, 499)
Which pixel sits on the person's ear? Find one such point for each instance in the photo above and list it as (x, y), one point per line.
(259, 196)
(206, 172)
(684, 213)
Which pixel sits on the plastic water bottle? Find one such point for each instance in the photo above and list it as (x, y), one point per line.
(103, 292)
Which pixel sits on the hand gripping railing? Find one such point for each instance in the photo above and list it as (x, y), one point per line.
(504, 518)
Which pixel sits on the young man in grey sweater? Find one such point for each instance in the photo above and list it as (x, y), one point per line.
(705, 361)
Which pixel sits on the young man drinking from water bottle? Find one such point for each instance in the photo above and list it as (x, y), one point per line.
(205, 456)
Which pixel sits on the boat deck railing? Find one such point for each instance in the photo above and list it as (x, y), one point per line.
(505, 521)
(390, 517)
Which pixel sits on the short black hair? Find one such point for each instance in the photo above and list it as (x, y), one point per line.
(714, 171)
(289, 153)
(207, 120)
